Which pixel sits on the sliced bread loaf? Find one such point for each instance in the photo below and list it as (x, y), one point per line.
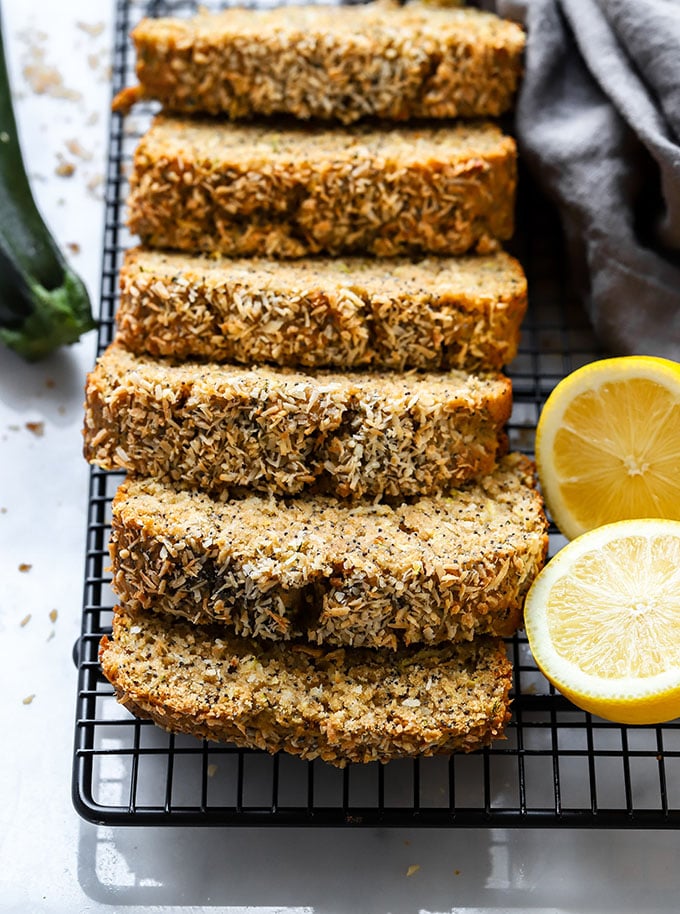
(379, 59)
(220, 427)
(341, 706)
(288, 191)
(313, 568)
(449, 312)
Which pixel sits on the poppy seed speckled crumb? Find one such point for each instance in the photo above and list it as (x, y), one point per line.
(343, 63)
(341, 705)
(355, 312)
(433, 570)
(223, 428)
(289, 190)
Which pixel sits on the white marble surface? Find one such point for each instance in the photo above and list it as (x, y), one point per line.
(49, 859)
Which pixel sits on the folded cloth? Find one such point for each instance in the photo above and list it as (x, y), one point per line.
(598, 122)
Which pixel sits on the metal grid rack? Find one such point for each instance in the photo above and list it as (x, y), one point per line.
(558, 766)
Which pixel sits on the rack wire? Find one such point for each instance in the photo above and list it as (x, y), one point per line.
(558, 767)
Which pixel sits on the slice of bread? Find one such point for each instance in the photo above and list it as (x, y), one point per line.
(314, 568)
(291, 190)
(219, 428)
(379, 60)
(341, 705)
(448, 312)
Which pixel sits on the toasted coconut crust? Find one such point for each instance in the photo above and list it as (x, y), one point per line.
(435, 570)
(345, 63)
(439, 313)
(221, 428)
(341, 706)
(286, 192)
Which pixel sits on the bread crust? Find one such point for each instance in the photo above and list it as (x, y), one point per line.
(340, 706)
(288, 191)
(436, 570)
(382, 60)
(227, 428)
(394, 314)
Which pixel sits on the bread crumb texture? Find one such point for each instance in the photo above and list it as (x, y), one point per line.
(380, 60)
(224, 428)
(341, 705)
(290, 190)
(373, 575)
(353, 312)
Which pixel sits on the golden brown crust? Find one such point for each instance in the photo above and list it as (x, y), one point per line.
(245, 190)
(371, 575)
(219, 428)
(341, 706)
(375, 60)
(451, 312)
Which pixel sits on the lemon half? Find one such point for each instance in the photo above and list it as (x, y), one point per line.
(608, 443)
(603, 621)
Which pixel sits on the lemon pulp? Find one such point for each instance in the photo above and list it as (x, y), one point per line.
(608, 444)
(603, 621)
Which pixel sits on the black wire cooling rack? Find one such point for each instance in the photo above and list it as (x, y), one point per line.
(558, 766)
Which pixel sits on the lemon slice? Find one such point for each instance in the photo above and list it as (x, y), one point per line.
(603, 621)
(608, 444)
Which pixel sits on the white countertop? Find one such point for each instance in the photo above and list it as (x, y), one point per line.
(52, 861)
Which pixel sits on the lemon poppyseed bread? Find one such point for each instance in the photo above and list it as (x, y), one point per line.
(378, 60)
(356, 312)
(341, 706)
(220, 427)
(374, 575)
(255, 189)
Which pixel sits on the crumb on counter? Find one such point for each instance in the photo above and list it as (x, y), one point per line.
(64, 169)
(92, 29)
(77, 150)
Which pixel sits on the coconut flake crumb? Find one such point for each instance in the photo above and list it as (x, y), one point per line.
(413, 869)
(25, 566)
(212, 770)
(45, 79)
(53, 615)
(25, 620)
(77, 150)
(37, 428)
(29, 699)
(91, 29)
(94, 185)
(64, 169)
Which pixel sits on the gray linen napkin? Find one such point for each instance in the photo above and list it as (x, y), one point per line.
(598, 122)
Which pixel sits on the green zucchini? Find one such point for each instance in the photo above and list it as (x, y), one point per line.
(43, 303)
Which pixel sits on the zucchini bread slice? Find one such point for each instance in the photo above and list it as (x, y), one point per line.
(356, 312)
(220, 427)
(291, 190)
(341, 705)
(371, 575)
(378, 60)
